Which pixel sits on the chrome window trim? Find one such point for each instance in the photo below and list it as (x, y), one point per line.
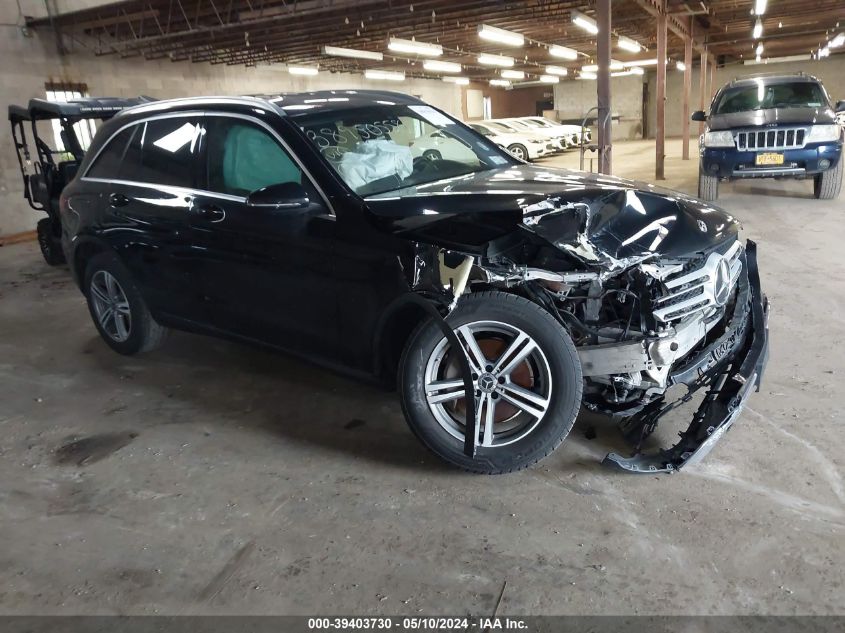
(174, 189)
(203, 114)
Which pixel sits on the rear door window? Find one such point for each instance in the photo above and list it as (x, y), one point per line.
(163, 151)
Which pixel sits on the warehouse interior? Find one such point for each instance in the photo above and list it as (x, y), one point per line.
(210, 477)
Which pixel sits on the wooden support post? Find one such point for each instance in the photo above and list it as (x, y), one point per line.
(605, 139)
(702, 86)
(687, 92)
(712, 67)
(660, 136)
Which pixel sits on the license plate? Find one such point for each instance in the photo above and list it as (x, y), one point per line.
(768, 159)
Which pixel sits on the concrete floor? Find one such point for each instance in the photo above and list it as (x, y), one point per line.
(216, 478)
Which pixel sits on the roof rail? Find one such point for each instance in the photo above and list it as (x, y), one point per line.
(799, 73)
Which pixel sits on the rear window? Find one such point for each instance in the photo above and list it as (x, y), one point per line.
(799, 94)
(108, 162)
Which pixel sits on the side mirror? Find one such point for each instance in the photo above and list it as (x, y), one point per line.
(699, 115)
(840, 106)
(285, 195)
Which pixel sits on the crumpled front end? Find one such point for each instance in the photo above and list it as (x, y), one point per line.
(654, 288)
(728, 366)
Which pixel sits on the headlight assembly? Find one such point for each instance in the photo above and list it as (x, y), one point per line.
(823, 133)
(723, 138)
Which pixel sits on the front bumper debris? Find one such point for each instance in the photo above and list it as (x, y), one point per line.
(729, 367)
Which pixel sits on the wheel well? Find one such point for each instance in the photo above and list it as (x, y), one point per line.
(393, 337)
(82, 255)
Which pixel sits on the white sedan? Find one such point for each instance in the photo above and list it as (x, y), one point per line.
(521, 146)
(559, 141)
(573, 131)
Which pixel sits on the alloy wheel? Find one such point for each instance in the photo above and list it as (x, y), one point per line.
(511, 380)
(111, 306)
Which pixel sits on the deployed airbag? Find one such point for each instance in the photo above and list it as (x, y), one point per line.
(374, 160)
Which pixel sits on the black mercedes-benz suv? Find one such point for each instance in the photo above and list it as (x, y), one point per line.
(499, 297)
(772, 126)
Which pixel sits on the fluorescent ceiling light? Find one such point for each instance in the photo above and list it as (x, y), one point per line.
(461, 81)
(627, 44)
(338, 51)
(387, 75)
(495, 60)
(614, 65)
(582, 21)
(557, 70)
(549, 79)
(642, 62)
(680, 66)
(513, 74)
(759, 49)
(760, 7)
(758, 29)
(444, 67)
(824, 52)
(413, 47)
(302, 70)
(563, 52)
(500, 82)
(493, 34)
(837, 41)
(584, 75)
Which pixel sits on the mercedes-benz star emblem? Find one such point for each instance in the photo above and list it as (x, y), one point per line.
(722, 283)
(702, 226)
(487, 383)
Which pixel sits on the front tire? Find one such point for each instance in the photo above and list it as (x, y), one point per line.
(708, 186)
(828, 184)
(526, 375)
(50, 245)
(119, 312)
(519, 151)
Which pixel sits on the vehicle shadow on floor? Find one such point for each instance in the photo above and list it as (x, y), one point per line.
(194, 378)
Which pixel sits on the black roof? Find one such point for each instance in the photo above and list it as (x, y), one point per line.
(772, 78)
(84, 108)
(293, 103)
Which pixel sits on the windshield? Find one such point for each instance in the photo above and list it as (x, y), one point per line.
(799, 94)
(377, 149)
(541, 121)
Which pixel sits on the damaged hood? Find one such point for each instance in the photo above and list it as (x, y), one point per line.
(592, 216)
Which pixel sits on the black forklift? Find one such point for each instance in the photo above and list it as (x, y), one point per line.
(47, 172)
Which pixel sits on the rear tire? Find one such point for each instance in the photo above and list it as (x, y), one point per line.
(119, 312)
(708, 186)
(523, 431)
(51, 246)
(519, 151)
(828, 184)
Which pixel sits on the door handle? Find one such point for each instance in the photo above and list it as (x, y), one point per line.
(212, 213)
(118, 200)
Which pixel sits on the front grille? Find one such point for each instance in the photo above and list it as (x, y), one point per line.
(690, 291)
(779, 139)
